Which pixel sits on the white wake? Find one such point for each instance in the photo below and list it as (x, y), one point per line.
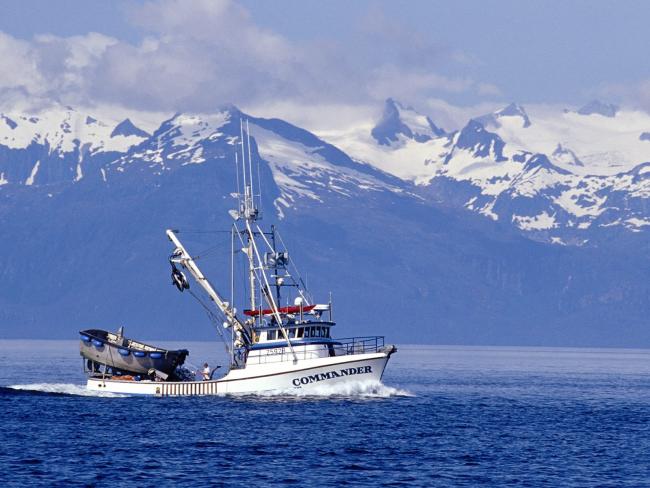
(64, 389)
(348, 390)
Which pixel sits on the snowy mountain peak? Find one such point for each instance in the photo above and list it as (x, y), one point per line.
(126, 128)
(186, 130)
(496, 119)
(400, 120)
(559, 180)
(514, 110)
(479, 142)
(599, 108)
(195, 126)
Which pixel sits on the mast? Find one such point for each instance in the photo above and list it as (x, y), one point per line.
(242, 331)
(275, 266)
(232, 283)
(250, 212)
(255, 263)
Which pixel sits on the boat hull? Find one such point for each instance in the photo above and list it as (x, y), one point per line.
(99, 347)
(306, 375)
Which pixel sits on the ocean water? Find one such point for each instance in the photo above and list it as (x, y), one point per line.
(444, 416)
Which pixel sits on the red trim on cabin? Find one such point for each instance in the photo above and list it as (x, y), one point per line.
(282, 310)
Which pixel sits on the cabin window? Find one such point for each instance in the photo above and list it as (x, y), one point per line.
(313, 332)
(292, 333)
(307, 332)
(326, 331)
(301, 331)
(270, 335)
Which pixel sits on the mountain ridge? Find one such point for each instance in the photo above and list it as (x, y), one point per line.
(413, 260)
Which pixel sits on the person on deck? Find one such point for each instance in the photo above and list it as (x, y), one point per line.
(206, 373)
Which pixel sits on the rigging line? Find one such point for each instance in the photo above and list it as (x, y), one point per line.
(243, 269)
(191, 231)
(256, 271)
(206, 255)
(293, 264)
(232, 287)
(238, 185)
(265, 239)
(213, 317)
(209, 251)
(269, 298)
(250, 163)
(243, 155)
(259, 184)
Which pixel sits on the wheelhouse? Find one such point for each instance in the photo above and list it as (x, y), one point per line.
(307, 330)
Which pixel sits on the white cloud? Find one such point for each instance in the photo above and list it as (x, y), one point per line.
(201, 53)
(635, 95)
(452, 117)
(391, 81)
(317, 117)
(18, 69)
(488, 89)
(49, 67)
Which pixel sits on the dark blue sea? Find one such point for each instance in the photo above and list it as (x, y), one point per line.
(447, 416)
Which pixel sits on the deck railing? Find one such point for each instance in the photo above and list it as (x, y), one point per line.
(358, 345)
(339, 347)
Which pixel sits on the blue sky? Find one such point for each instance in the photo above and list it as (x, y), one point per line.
(554, 51)
(192, 55)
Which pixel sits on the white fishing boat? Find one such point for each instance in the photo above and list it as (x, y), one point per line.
(282, 341)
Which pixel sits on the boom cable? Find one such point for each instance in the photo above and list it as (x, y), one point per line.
(213, 318)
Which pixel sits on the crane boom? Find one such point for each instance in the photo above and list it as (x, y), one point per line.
(184, 258)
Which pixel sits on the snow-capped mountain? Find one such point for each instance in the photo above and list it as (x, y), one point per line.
(512, 114)
(405, 121)
(125, 129)
(598, 108)
(564, 178)
(445, 226)
(55, 145)
(302, 165)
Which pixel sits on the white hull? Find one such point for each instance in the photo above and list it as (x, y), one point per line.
(283, 376)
